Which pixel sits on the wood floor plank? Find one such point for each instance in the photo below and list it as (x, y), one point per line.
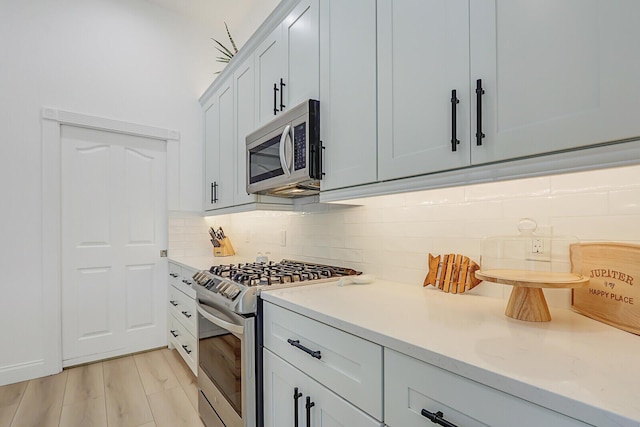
(84, 382)
(126, 401)
(41, 404)
(151, 424)
(186, 378)
(155, 372)
(171, 408)
(88, 412)
(6, 415)
(11, 394)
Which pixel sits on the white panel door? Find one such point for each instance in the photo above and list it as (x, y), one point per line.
(423, 54)
(557, 74)
(114, 224)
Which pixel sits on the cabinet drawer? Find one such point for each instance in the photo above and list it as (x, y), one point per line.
(183, 308)
(412, 385)
(346, 364)
(184, 342)
(182, 278)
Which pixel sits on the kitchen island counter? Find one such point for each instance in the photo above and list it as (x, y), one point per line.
(572, 364)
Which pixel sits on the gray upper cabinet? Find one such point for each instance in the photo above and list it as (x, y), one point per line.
(348, 92)
(245, 119)
(557, 74)
(287, 62)
(398, 82)
(423, 55)
(219, 148)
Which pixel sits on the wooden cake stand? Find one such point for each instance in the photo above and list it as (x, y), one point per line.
(527, 300)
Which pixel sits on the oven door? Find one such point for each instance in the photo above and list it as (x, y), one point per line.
(226, 367)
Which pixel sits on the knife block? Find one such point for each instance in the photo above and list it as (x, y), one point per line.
(225, 249)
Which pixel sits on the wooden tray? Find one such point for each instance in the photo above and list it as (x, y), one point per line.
(613, 293)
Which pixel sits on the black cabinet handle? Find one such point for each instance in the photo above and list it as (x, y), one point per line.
(479, 93)
(296, 396)
(308, 406)
(436, 418)
(282, 85)
(214, 190)
(296, 343)
(186, 349)
(174, 334)
(454, 121)
(173, 303)
(186, 314)
(275, 105)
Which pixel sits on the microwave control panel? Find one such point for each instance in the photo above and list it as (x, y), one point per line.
(300, 146)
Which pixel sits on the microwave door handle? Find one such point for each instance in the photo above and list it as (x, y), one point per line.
(283, 159)
(236, 329)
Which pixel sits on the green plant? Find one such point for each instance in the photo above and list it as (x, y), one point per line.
(227, 54)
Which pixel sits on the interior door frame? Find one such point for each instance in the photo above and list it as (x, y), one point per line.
(51, 280)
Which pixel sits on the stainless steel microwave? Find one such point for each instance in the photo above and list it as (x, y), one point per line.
(284, 157)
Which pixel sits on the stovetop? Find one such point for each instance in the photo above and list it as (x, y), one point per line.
(235, 287)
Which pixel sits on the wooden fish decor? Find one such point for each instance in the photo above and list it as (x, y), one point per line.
(455, 274)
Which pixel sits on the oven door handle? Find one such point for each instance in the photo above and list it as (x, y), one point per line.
(231, 327)
(284, 162)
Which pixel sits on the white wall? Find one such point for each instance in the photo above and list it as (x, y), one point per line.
(129, 60)
(390, 236)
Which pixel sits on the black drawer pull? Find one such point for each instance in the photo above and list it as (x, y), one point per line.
(173, 303)
(454, 121)
(308, 406)
(186, 314)
(215, 192)
(296, 395)
(436, 418)
(186, 349)
(296, 343)
(479, 93)
(174, 334)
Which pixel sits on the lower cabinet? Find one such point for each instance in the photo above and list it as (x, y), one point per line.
(183, 317)
(291, 398)
(416, 393)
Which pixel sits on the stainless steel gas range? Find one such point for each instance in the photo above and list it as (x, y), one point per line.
(229, 327)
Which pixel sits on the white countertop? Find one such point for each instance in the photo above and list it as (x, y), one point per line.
(572, 364)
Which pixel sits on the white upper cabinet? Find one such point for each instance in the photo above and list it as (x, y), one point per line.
(557, 74)
(348, 92)
(245, 113)
(219, 148)
(423, 55)
(287, 62)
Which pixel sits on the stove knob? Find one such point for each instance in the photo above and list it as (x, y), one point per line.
(234, 294)
(230, 289)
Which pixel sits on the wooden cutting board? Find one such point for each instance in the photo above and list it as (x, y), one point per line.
(613, 293)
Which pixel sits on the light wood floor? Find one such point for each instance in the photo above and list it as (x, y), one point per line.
(153, 389)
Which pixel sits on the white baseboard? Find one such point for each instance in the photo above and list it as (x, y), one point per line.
(23, 372)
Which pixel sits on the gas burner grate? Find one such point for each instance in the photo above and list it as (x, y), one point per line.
(271, 273)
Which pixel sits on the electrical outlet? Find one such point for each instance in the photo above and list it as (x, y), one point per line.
(537, 245)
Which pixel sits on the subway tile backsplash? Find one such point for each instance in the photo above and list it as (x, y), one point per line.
(391, 236)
